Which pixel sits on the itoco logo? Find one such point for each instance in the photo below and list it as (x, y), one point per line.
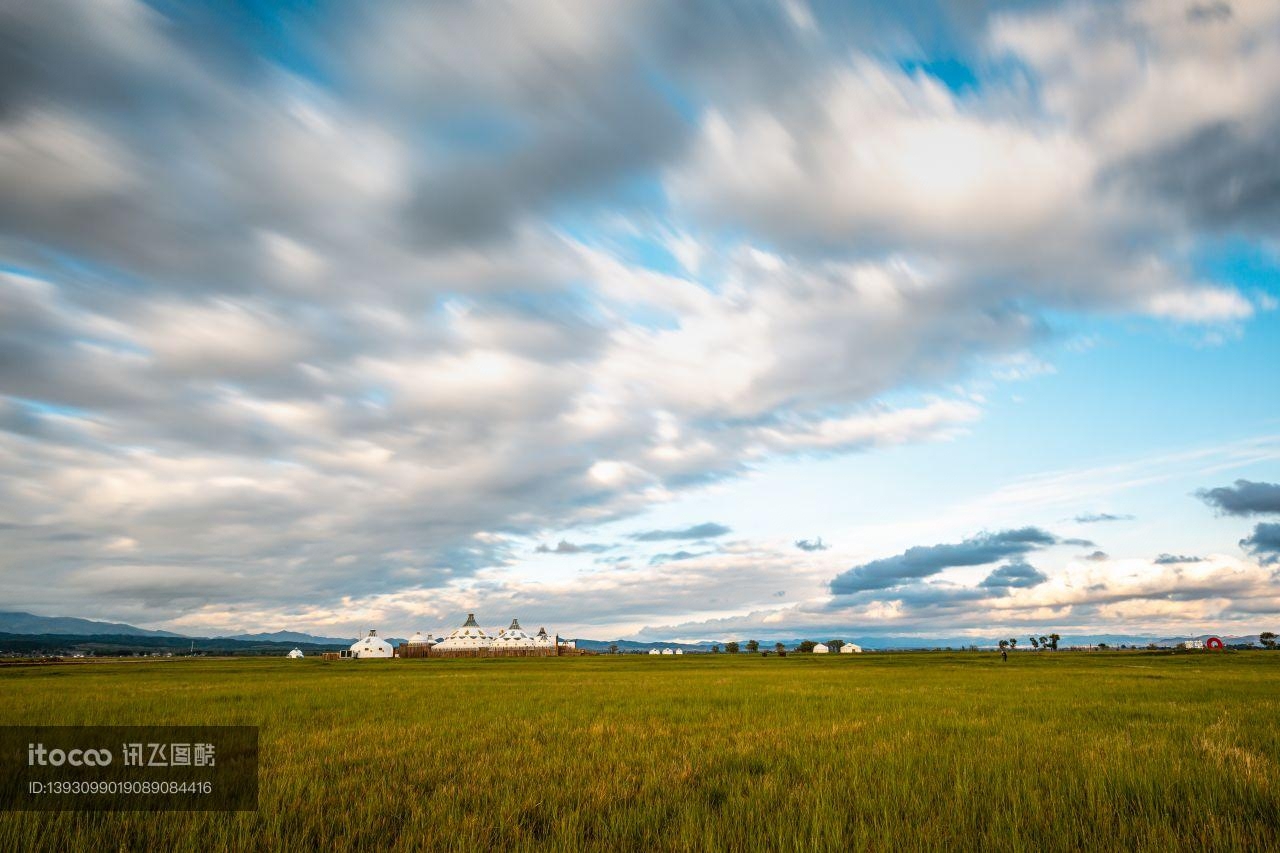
(37, 755)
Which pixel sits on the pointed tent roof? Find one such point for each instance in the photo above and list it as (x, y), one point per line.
(469, 636)
(514, 636)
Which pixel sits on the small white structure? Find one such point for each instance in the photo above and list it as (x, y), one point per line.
(296, 653)
(372, 646)
(514, 637)
(820, 649)
(469, 636)
(851, 649)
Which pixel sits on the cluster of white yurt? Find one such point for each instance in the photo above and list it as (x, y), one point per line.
(372, 646)
(470, 637)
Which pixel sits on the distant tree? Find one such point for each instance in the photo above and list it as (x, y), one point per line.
(1035, 644)
(731, 648)
(806, 646)
(1004, 644)
(715, 649)
(613, 648)
(753, 646)
(1268, 639)
(1053, 641)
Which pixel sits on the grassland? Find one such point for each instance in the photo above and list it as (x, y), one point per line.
(887, 752)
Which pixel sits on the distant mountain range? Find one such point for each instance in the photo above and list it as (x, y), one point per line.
(17, 624)
(290, 637)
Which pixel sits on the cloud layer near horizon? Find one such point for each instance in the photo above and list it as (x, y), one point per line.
(285, 330)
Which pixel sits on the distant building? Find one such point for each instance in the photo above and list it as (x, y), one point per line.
(372, 646)
(514, 637)
(296, 653)
(820, 649)
(469, 637)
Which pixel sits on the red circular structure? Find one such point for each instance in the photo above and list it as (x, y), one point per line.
(1213, 643)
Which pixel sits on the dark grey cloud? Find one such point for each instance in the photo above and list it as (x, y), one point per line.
(1209, 12)
(706, 530)
(1015, 575)
(1225, 176)
(1245, 497)
(925, 560)
(566, 547)
(1095, 517)
(1176, 559)
(1264, 542)
(812, 544)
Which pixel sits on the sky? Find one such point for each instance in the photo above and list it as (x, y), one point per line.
(644, 320)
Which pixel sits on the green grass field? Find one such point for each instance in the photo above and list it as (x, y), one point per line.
(1123, 751)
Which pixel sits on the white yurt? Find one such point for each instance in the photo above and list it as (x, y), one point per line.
(296, 653)
(543, 639)
(372, 646)
(851, 649)
(513, 637)
(469, 636)
(821, 649)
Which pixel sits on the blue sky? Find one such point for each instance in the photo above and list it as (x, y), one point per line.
(330, 316)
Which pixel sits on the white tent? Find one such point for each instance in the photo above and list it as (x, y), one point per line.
(469, 636)
(296, 653)
(820, 649)
(372, 646)
(514, 638)
(851, 649)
